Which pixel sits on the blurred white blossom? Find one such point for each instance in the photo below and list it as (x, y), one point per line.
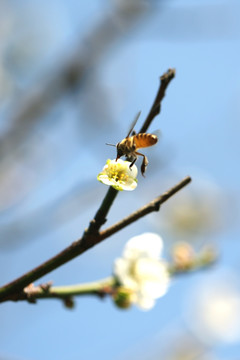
(197, 211)
(213, 311)
(142, 271)
(118, 175)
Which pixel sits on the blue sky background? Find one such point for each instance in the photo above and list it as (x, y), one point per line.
(49, 165)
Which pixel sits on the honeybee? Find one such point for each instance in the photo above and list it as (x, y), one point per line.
(131, 144)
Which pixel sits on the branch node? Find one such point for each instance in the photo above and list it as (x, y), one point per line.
(69, 302)
(46, 287)
(157, 206)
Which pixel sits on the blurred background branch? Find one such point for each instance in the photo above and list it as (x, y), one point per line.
(69, 73)
(27, 150)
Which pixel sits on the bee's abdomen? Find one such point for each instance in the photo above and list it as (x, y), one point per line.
(144, 140)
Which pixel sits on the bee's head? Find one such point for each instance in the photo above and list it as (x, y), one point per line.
(119, 151)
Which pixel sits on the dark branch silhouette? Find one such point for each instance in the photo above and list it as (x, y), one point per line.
(89, 239)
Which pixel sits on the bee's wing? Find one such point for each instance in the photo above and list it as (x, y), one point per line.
(133, 123)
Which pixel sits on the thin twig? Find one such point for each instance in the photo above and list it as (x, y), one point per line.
(153, 205)
(31, 293)
(86, 242)
(100, 217)
(156, 107)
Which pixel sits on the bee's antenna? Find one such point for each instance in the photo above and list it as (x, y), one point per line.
(111, 144)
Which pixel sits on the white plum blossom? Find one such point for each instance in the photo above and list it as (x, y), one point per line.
(119, 175)
(142, 271)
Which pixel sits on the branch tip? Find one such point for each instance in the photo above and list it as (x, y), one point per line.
(168, 75)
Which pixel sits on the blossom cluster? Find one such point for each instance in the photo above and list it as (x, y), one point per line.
(141, 271)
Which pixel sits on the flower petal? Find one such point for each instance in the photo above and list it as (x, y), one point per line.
(119, 175)
(145, 303)
(142, 271)
(147, 244)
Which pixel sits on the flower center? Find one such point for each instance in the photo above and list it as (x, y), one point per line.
(116, 175)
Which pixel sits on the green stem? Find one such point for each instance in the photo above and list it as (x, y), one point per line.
(32, 293)
(81, 289)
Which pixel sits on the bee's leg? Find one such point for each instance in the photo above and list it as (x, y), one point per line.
(132, 163)
(144, 163)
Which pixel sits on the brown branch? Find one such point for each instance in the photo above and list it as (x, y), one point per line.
(77, 248)
(101, 214)
(156, 107)
(89, 239)
(153, 205)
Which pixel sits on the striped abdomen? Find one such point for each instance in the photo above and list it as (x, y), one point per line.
(143, 140)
